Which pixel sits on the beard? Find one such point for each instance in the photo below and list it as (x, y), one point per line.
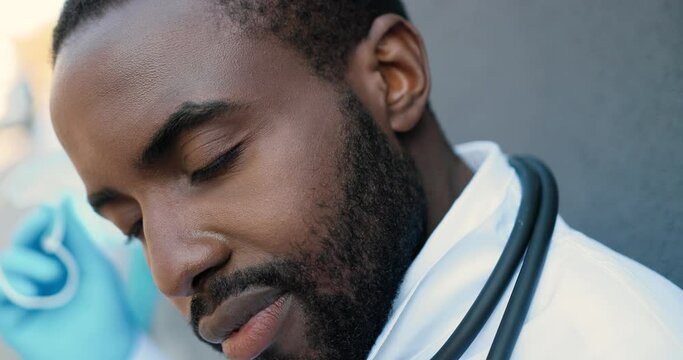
(366, 246)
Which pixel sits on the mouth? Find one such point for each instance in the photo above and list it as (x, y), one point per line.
(246, 325)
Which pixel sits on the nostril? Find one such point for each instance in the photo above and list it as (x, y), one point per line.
(199, 282)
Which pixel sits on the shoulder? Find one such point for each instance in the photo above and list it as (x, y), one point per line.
(603, 304)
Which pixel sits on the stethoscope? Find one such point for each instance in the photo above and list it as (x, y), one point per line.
(528, 245)
(22, 195)
(51, 244)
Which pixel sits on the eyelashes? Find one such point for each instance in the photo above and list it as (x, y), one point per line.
(218, 166)
(134, 232)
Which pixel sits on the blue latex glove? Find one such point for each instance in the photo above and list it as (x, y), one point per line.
(95, 324)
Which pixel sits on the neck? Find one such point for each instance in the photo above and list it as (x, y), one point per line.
(444, 175)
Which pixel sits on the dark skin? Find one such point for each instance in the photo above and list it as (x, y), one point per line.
(116, 86)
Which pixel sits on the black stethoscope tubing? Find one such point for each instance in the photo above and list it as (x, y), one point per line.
(528, 245)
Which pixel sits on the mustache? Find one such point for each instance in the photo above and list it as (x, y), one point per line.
(286, 275)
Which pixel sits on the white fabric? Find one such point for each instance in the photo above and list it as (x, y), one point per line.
(146, 350)
(591, 303)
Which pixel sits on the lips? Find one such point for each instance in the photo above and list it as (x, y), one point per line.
(247, 324)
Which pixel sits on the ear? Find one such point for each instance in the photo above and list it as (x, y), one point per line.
(389, 70)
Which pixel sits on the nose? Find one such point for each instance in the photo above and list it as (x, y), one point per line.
(181, 255)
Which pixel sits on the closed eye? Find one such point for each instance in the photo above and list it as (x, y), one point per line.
(218, 166)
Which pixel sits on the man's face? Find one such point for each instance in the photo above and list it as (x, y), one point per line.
(273, 210)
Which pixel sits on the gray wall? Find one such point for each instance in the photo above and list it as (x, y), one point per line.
(593, 87)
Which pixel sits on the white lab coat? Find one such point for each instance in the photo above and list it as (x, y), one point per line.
(591, 302)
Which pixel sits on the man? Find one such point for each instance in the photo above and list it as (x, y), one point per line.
(296, 198)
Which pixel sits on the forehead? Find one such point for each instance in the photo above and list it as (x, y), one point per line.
(118, 77)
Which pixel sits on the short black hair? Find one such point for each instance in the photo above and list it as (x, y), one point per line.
(324, 31)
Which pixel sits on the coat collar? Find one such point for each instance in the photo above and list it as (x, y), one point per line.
(444, 278)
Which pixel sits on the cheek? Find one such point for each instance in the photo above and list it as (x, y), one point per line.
(286, 183)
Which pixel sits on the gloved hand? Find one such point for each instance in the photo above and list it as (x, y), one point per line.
(95, 324)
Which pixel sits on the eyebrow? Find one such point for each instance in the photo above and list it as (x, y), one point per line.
(186, 117)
